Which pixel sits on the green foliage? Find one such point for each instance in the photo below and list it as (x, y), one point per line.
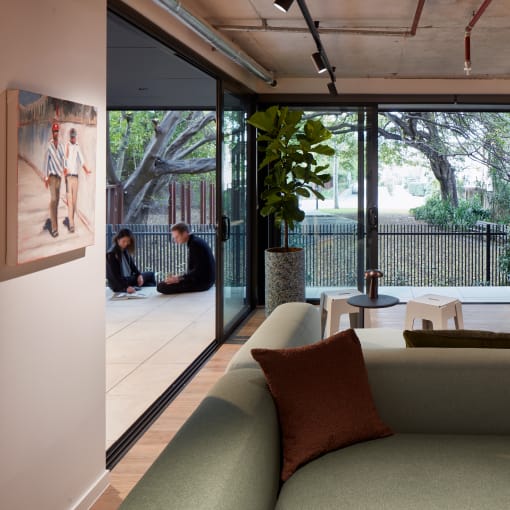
(500, 199)
(291, 151)
(443, 214)
(141, 132)
(504, 261)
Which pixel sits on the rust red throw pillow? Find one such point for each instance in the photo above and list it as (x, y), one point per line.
(322, 396)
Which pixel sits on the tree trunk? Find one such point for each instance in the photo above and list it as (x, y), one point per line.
(144, 172)
(123, 146)
(111, 176)
(445, 174)
(154, 166)
(139, 209)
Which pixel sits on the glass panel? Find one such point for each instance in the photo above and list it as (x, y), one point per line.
(444, 198)
(161, 170)
(332, 233)
(234, 208)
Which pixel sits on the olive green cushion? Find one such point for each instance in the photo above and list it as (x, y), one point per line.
(461, 338)
(404, 472)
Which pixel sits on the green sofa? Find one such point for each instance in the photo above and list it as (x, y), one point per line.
(450, 409)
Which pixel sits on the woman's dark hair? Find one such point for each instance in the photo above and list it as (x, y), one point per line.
(125, 232)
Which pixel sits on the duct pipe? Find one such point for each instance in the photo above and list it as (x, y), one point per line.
(375, 31)
(467, 35)
(211, 36)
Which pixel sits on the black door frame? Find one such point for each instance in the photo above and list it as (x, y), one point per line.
(224, 331)
(118, 449)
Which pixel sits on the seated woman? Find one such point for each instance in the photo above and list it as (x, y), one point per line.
(121, 271)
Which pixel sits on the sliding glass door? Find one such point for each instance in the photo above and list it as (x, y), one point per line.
(233, 208)
(339, 234)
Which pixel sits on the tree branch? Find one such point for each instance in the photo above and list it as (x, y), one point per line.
(188, 150)
(183, 166)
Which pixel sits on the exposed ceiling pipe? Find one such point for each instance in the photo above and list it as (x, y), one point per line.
(416, 19)
(376, 31)
(264, 27)
(467, 35)
(211, 36)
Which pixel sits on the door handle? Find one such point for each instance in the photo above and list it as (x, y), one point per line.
(225, 228)
(373, 218)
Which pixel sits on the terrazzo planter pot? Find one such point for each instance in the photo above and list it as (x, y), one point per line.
(285, 276)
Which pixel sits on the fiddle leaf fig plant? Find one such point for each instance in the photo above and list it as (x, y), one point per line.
(290, 150)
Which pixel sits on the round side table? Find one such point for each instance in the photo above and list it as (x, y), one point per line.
(363, 301)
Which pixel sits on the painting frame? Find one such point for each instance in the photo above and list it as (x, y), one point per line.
(51, 168)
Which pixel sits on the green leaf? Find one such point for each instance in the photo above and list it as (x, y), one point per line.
(266, 120)
(324, 149)
(303, 192)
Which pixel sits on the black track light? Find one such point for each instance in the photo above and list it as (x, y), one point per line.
(319, 62)
(332, 89)
(283, 5)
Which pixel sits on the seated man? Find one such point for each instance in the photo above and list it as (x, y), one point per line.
(201, 268)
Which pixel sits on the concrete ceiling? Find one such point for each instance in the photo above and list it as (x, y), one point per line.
(436, 51)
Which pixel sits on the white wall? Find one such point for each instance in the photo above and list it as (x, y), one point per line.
(52, 360)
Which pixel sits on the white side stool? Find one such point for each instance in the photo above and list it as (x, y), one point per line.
(435, 311)
(333, 304)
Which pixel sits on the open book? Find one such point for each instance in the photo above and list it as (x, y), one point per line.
(125, 295)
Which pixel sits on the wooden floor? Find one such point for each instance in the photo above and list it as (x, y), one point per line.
(494, 317)
(132, 467)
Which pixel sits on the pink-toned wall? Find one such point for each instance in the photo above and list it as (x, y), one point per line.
(52, 353)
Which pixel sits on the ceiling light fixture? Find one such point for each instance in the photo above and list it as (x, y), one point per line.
(320, 58)
(319, 62)
(332, 89)
(283, 5)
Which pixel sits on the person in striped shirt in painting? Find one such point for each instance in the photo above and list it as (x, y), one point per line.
(53, 171)
(74, 162)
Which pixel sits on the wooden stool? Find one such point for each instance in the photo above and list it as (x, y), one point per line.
(333, 304)
(435, 311)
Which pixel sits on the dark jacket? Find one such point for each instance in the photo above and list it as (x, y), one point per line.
(201, 266)
(116, 280)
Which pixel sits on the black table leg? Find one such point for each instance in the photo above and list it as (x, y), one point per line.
(361, 319)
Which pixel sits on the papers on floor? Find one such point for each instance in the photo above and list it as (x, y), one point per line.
(126, 295)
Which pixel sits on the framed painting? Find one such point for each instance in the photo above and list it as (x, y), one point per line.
(51, 176)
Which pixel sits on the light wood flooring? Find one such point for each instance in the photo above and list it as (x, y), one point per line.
(495, 317)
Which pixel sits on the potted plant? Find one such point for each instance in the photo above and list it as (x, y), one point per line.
(290, 147)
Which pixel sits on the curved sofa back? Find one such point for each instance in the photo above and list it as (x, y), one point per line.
(290, 325)
(225, 457)
(442, 391)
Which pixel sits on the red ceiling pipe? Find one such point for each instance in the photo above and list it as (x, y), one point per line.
(417, 16)
(467, 35)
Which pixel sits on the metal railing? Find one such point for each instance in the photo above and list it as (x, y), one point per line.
(409, 255)
(155, 250)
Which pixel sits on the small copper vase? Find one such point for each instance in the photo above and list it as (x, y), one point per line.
(372, 277)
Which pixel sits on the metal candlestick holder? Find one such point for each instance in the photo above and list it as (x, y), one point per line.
(372, 278)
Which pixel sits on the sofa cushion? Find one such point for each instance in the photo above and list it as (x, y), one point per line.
(460, 338)
(441, 391)
(406, 471)
(290, 325)
(322, 396)
(225, 457)
(380, 338)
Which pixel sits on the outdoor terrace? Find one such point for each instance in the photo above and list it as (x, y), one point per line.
(149, 342)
